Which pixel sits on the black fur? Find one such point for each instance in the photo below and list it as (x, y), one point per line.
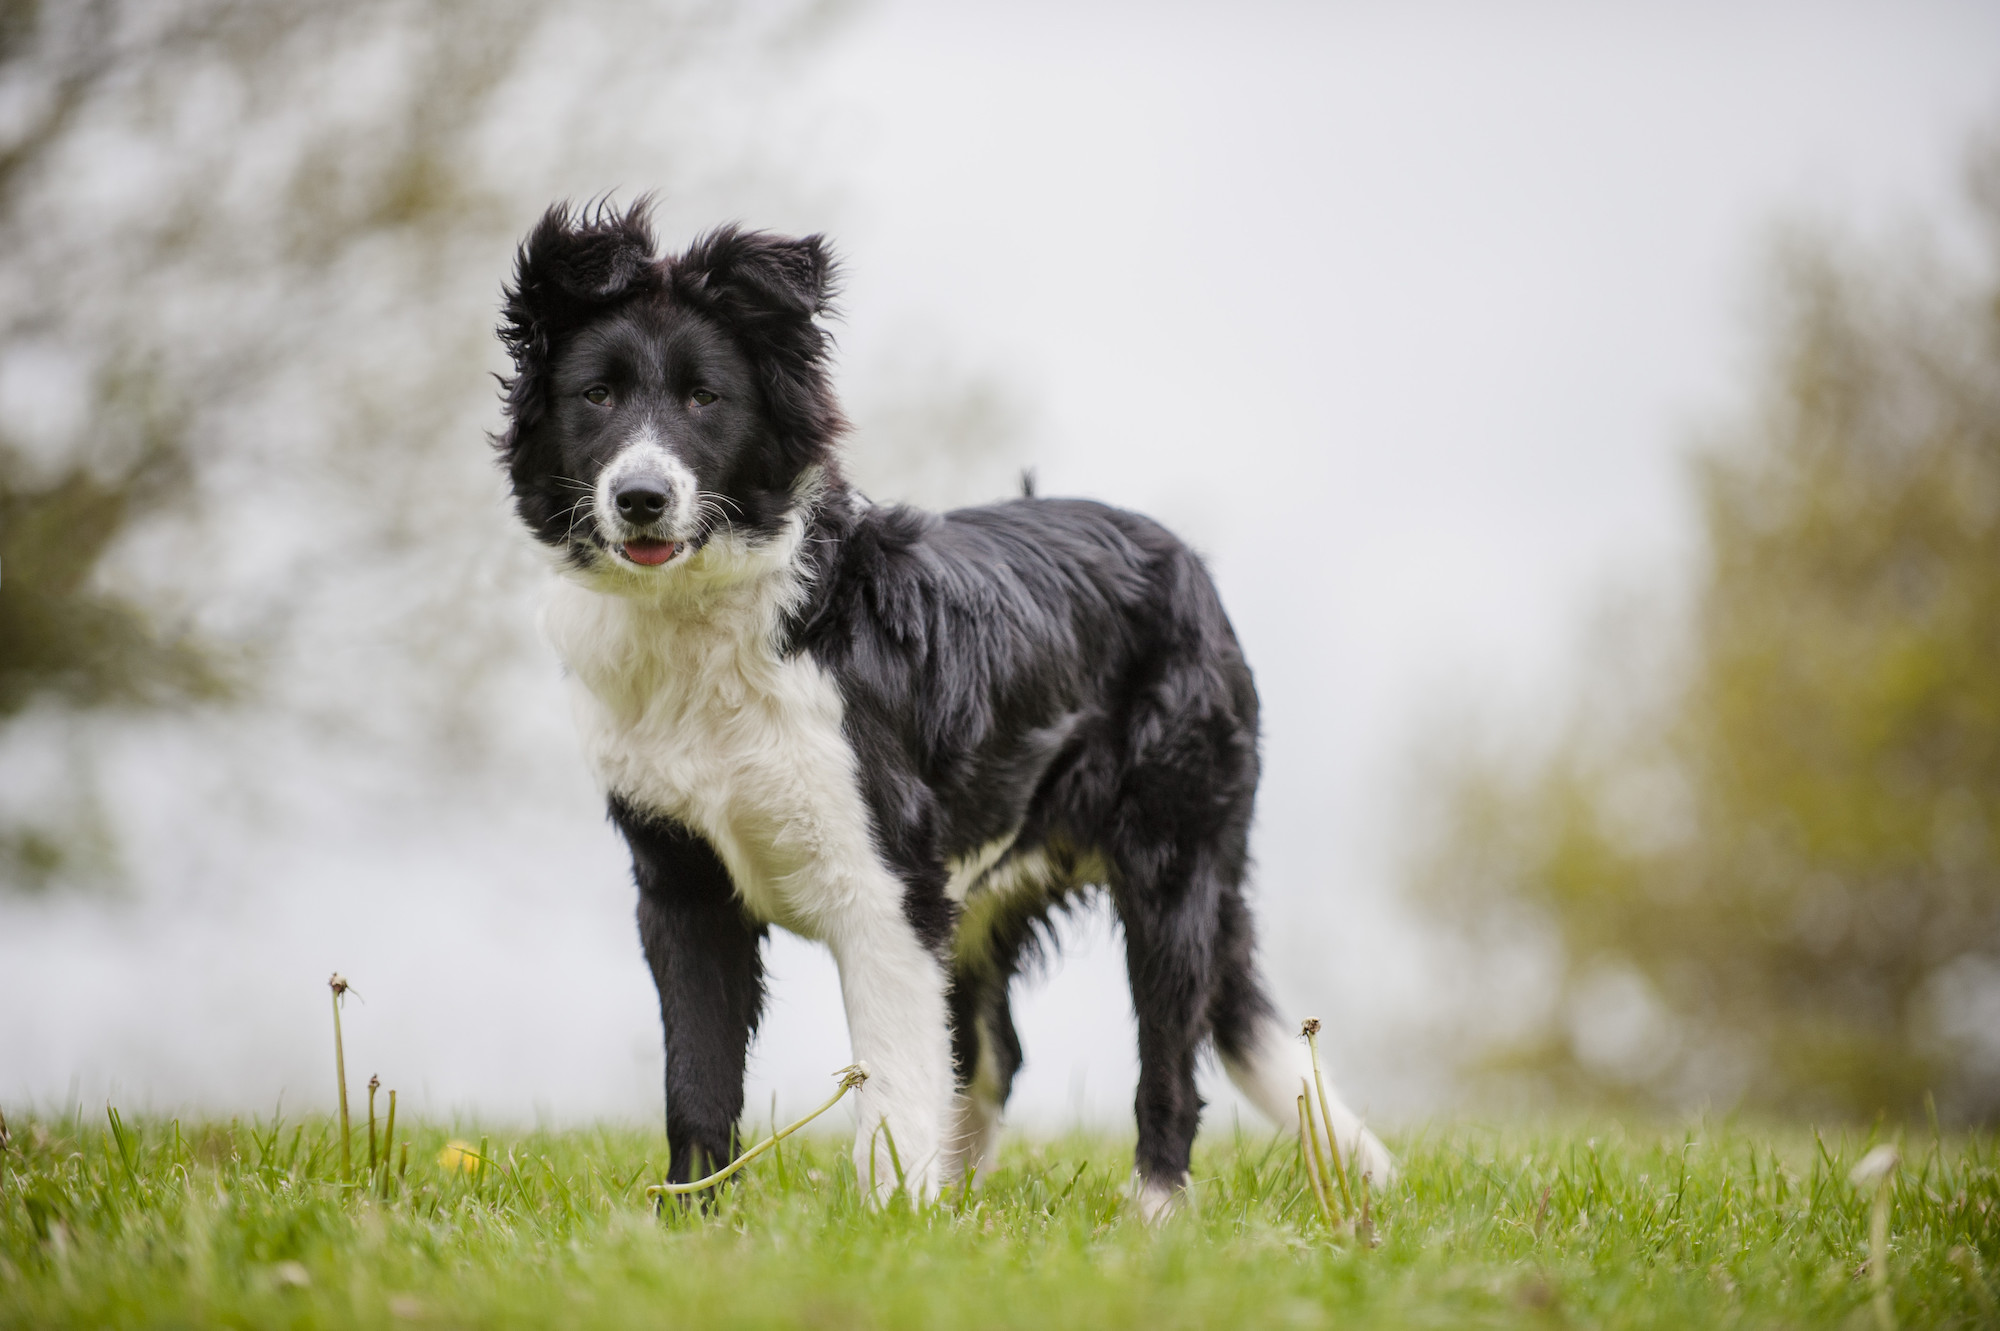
(704, 954)
(1054, 669)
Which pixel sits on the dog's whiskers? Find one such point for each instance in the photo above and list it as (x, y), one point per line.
(576, 513)
(708, 509)
(711, 497)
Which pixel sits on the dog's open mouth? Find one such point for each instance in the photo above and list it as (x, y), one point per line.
(652, 552)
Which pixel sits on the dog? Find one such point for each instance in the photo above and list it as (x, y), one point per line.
(907, 735)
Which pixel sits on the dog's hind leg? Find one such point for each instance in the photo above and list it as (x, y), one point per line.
(1169, 960)
(1176, 840)
(1266, 1059)
(987, 1052)
(996, 932)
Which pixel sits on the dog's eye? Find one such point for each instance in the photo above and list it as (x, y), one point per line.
(701, 397)
(597, 395)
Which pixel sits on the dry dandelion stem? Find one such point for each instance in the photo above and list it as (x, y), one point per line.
(1310, 1029)
(388, 1140)
(374, 1084)
(850, 1078)
(1318, 1154)
(1308, 1158)
(338, 983)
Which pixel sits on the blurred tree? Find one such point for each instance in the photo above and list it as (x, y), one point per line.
(249, 255)
(1764, 859)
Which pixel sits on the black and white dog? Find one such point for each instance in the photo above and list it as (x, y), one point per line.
(907, 735)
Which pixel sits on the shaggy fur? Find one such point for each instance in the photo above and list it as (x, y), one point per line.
(909, 735)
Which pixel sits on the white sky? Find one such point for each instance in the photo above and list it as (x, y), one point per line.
(1402, 313)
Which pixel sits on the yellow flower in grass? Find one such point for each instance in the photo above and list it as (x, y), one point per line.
(459, 1155)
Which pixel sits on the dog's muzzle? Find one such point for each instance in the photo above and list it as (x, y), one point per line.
(642, 502)
(645, 506)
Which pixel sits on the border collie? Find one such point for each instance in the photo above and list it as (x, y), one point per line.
(908, 735)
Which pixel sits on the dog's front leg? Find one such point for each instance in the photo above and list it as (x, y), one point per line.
(894, 990)
(703, 952)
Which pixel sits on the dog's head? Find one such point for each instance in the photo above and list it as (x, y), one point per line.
(659, 404)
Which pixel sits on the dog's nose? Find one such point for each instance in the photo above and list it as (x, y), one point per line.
(641, 501)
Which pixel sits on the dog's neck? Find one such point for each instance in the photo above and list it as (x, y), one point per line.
(628, 634)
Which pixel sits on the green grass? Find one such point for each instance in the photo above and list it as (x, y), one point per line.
(116, 1223)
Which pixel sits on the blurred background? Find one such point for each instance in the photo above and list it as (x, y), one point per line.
(1592, 416)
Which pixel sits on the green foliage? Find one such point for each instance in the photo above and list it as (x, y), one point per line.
(159, 1223)
(62, 634)
(245, 366)
(250, 256)
(1785, 864)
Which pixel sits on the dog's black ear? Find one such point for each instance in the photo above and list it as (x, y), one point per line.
(766, 290)
(757, 279)
(573, 265)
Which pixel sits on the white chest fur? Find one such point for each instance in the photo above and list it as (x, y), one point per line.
(686, 709)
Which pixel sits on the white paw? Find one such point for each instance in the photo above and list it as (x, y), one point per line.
(1157, 1202)
(880, 1168)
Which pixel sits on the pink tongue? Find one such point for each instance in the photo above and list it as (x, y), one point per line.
(650, 552)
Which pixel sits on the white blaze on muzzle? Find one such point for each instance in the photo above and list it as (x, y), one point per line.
(646, 462)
